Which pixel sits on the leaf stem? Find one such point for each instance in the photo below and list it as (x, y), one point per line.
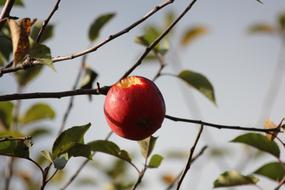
(219, 126)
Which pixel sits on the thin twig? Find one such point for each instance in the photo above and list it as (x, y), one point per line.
(189, 162)
(81, 167)
(219, 126)
(38, 95)
(158, 39)
(92, 49)
(46, 21)
(281, 183)
(169, 187)
(6, 11)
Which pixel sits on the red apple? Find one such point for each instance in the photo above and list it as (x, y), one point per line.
(134, 108)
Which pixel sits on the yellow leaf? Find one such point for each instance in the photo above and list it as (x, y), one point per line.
(168, 178)
(268, 124)
(20, 31)
(192, 33)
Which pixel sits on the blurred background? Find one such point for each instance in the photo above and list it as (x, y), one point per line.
(240, 65)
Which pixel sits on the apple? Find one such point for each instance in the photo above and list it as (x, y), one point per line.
(134, 108)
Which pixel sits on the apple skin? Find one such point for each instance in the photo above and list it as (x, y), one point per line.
(134, 108)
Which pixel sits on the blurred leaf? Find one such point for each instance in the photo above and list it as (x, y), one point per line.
(98, 24)
(169, 18)
(219, 152)
(37, 112)
(191, 34)
(155, 161)
(20, 38)
(48, 32)
(273, 170)
(281, 20)
(259, 1)
(147, 146)
(5, 47)
(88, 79)
(268, 124)
(199, 82)
(41, 53)
(24, 77)
(84, 181)
(39, 132)
(117, 169)
(28, 179)
(6, 114)
(14, 148)
(61, 161)
(261, 28)
(259, 142)
(233, 178)
(69, 138)
(168, 178)
(11, 133)
(110, 148)
(47, 155)
(59, 177)
(17, 2)
(176, 154)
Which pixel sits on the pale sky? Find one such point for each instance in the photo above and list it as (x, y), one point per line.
(239, 66)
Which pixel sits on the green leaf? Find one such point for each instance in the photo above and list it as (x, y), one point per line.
(191, 34)
(98, 24)
(155, 161)
(60, 162)
(272, 170)
(261, 28)
(259, 142)
(40, 52)
(14, 148)
(17, 2)
(110, 148)
(233, 178)
(85, 181)
(199, 82)
(37, 112)
(69, 138)
(169, 18)
(79, 149)
(6, 114)
(48, 32)
(147, 146)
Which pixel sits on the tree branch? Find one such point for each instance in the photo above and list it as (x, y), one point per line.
(6, 11)
(218, 126)
(158, 39)
(92, 49)
(189, 162)
(15, 138)
(37, 95)
(46, 21)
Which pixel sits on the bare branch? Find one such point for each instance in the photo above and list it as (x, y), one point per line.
(6, 11)
(189, 162)
(46, 21)
(218, 126)
(38, 95)
(158, 39)
(15, 138)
